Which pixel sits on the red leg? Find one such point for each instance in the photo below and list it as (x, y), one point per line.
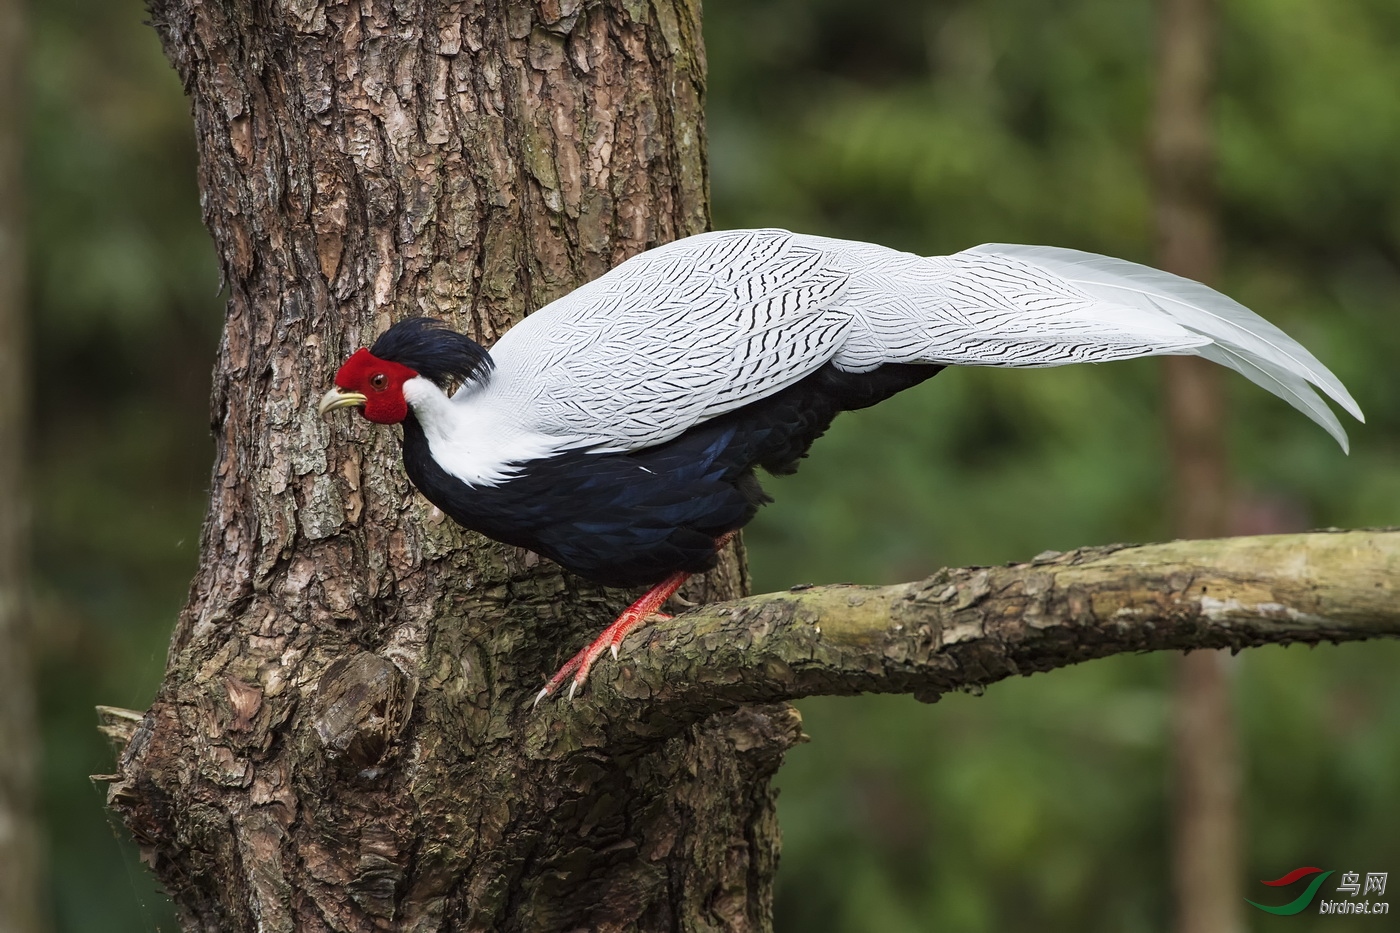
(611, 637)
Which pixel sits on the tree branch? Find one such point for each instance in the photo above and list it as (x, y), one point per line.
(969, 627)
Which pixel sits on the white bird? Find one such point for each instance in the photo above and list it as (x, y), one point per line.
(617, 430)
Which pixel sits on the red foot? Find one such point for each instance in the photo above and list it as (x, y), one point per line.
(637, 613)
(643, 609)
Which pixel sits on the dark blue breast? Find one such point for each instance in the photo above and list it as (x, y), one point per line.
(632, 519)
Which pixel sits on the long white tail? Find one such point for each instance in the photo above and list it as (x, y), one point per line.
(710, 323)
(1237, 337)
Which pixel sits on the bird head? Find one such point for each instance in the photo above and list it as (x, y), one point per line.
(373, 379)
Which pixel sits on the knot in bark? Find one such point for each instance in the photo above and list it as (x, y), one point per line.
(361, 705)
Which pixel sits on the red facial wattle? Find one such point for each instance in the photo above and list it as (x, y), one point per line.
(380, 382)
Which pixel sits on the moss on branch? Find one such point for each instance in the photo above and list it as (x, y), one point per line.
(969, 627)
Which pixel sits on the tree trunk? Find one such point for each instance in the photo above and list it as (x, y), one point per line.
(1206, 837)
(344, 739)
(19, 837)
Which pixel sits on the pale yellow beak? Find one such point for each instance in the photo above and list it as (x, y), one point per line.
(337, 399)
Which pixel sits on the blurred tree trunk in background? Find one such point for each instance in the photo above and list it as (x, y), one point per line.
(1206, 859)
(360, 163)
(19, 842)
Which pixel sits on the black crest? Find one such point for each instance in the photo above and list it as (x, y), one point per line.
(435, 350)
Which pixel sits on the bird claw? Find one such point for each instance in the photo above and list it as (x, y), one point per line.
(582, 663)
(641, 611)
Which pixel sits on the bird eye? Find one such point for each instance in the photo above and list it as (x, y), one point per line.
(378, 380)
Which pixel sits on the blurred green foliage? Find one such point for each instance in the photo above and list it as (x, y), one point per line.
(126, 319)
(928, 126)
(1044, 805)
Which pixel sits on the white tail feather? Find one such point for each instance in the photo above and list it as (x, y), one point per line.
(1239, 338)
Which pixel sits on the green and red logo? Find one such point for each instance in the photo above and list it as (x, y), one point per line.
(1299, 903)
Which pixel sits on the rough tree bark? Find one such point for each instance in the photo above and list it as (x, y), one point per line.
(969, 627)
(341, 738)
(19, 837)
(345, 739)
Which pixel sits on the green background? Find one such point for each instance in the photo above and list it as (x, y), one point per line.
(927, 126)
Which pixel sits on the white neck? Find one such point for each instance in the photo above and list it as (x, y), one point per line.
(472, 436)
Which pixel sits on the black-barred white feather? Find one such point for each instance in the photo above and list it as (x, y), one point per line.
(715, 322)
(621, 425)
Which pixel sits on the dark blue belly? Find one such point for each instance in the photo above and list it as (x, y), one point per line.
(632, 519)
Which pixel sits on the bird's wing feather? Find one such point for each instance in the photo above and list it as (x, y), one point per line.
(707, 324)
(675, 336)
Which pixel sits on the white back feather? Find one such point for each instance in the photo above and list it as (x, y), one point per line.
(702, 326)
